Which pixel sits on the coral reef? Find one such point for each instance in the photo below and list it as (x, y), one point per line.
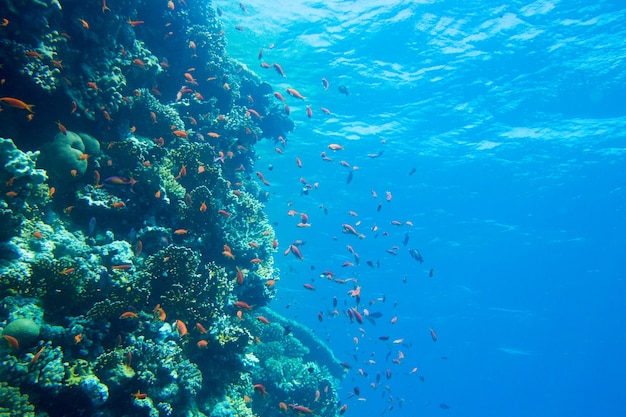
(127, 237)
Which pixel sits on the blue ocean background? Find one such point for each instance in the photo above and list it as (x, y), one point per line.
(513, 116)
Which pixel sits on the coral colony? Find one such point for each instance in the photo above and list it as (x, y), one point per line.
(135, 256)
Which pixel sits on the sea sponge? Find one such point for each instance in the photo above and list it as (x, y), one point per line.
(63, 155)
(25, 331)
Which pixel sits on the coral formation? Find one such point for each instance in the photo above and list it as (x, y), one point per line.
(126, 240)
(25, 331)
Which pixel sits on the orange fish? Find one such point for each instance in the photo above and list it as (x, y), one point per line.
(201, 328)
(203, 344)
(262, 320)
(134, 23)
(203, 207)
(13, 343)
(33, 54)
(140, 395)
(254, 113)
(18, 104)
(259, 388)
(181, 231)
(37, 355)
(159, 313)
(295, 93)
(335, 147)
(84, 23)
(129, 315)
(242, 305)
(278, 69)
(224, 213)
(181, 328)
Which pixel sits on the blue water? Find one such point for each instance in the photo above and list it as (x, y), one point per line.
(514, 119)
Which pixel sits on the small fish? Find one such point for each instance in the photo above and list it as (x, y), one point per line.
(415, 254)
(92, 225)
(259, 388)
(343, 89)
(140, 395)
(180, 327)
(18, 104)
(279, 70)
(295, 93)
(433, 335)
(12, 341)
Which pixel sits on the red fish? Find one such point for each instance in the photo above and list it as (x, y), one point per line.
(254, 113)
(301, 409)
(309, 112)
(13, 343)
(279, 70)
(242, 305)
(296, 252)
(295, 93)
(309, 287)
(262, 178)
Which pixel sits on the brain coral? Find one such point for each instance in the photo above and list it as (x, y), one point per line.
(63, 155)
(25, 331)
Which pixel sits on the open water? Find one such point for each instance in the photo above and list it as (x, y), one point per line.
(513, 118)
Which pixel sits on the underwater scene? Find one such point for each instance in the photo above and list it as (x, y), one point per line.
(326, 208)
